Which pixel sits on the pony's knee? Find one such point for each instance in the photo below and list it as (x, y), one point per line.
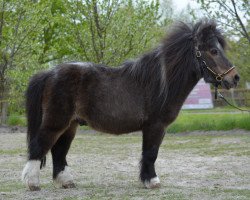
(30, 174)
(64, 179)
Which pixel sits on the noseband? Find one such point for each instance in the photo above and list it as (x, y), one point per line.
(218, 76)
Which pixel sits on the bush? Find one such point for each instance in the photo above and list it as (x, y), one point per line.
(16, 120)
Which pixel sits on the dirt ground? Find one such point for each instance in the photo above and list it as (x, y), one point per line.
(198, 165)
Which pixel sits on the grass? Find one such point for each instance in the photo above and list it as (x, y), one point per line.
(188, 120)
(223, 109)
(210, 121)
(12, 151)
(209, 144)
(191, 166)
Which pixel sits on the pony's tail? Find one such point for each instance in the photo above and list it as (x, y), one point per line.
(34, 96)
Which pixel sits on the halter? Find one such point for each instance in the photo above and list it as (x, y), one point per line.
(218, 76)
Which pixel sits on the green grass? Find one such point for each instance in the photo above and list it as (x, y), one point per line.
(228, 194)
(210, 121)
(10, 185)
(223, 109)
(208, 144)
(205, 120)
(12, 151)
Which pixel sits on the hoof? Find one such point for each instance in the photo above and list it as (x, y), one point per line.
(64, 179)
(69, 185)
(34, 188)
(30, 175)
(153, 183)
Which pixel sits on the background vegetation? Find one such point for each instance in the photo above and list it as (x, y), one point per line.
(36, 35)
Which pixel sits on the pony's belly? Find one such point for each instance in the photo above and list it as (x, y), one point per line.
(115, 126)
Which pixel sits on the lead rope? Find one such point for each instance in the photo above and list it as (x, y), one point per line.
(217, 93)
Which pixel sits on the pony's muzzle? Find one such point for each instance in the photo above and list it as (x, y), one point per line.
(231, 80)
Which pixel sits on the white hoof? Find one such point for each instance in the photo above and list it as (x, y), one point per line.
(30, 174)
(64, 179)
(153, 183)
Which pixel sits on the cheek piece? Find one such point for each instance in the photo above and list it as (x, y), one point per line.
(218, 77)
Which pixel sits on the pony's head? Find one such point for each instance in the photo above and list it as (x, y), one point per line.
(209, 51)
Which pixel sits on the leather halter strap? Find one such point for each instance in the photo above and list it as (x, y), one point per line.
(218, 76)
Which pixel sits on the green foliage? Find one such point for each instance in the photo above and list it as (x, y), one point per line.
(110, 33)
(231, 15)
(16, 120)
(20, 25)
(239, 54)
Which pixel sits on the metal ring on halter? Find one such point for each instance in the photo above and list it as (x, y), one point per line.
(219, 78)
(198, 54)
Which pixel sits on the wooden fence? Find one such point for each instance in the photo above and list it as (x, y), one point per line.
(239, 97)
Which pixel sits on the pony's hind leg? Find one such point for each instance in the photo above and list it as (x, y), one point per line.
(152, 138)
(46, 137)
(61, 173)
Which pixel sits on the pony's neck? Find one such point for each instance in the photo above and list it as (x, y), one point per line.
(184, 89)
(172, 105)
(181, 68)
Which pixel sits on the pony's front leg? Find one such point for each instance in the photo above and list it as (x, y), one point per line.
(30, 174)
(152, 138)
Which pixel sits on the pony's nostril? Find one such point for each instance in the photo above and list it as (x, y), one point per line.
(236, 78)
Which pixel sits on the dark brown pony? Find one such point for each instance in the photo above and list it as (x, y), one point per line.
(146, 94)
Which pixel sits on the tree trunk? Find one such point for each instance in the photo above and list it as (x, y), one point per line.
(4, 108)
(3, 101)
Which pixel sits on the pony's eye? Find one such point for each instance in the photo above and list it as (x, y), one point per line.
(214, 51)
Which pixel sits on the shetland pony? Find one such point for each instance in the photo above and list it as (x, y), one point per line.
(145, 94)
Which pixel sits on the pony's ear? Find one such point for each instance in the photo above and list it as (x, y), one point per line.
(205, 32)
